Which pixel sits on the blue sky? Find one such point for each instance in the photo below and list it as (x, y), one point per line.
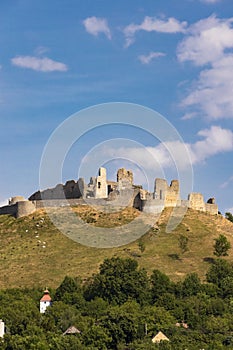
(58, 57)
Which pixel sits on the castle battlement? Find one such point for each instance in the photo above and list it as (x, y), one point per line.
(101, 192)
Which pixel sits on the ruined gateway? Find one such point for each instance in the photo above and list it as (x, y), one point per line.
(104, 193)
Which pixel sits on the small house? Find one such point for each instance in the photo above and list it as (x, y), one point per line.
(72, 330)
(45, 301)
(159, 337)
(2, 329)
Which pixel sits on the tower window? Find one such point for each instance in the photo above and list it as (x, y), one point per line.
(161, 194)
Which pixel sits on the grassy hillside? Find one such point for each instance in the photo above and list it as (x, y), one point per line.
(34, 253)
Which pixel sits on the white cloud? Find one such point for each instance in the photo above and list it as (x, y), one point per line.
(150, 24)
(3, 202)
(230, 210)
(146, 59)
(95, 26)
(210, 1)
(207, 41)
(227, 182)
(211, 95)
(168, 155)
(215, 140)
(210, 42)
(40, 50)
(38, 64)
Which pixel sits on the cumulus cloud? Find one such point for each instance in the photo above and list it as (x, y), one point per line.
(211, 95)
(95, 26)
(39, 64)
(153, 24)
(215, 140)
(146, 59)
(167, 155)
(207, 41)
(210, 43)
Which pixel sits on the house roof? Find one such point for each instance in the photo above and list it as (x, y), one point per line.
(46, 296)
(71, 330)
(159, 337)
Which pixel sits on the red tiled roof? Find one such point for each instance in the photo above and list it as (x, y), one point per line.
(46, 296)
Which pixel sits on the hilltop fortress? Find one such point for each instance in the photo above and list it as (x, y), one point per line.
(106, 194)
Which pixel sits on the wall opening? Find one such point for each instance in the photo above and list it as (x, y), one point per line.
(160, 194)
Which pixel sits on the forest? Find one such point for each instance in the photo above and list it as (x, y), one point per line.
(123, 308)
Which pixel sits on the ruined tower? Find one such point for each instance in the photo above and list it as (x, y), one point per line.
(101, 188)
(124, 179)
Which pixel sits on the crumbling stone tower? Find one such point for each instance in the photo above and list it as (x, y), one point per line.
(124, 179)
(169, 194)
(101, 188)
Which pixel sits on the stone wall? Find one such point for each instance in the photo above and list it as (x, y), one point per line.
(9, 210)
(124, 179)
(104, 194)
(173, 194)
(19, 209)
(69, 190)
(24, 208)
(196, 201)
(211, 208)
(152, 206)
(160, 189)
(14, 200)
(56, 203)
(101, 188)
(170, 194)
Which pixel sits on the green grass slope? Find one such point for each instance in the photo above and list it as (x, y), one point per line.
(34, 253)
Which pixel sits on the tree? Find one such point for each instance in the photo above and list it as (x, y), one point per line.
(68, 285)
(122, 322)
(96, 337)
(229, 216)
(141, 246)
(218, 271)
(183, 243)
(119, 280)
(96, 308)
(221, 246)
(191, 285)
(70, 292)
(160, 284)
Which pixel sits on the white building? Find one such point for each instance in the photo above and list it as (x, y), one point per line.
(2, 329)
(45, 301)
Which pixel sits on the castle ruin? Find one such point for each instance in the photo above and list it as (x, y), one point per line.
(103, 193)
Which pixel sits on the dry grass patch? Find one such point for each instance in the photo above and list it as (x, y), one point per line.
(25, 262)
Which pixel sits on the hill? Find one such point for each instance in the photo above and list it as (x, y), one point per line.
(34, 253)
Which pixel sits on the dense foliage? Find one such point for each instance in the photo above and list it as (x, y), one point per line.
(221, 246)
(122, 308)
(229, 216)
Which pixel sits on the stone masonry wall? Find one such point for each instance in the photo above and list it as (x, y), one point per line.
(19, 209)
(196, 201)
(24, 208)
(124, 178)
(101, 188)
(102, 193)
(173, 194)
